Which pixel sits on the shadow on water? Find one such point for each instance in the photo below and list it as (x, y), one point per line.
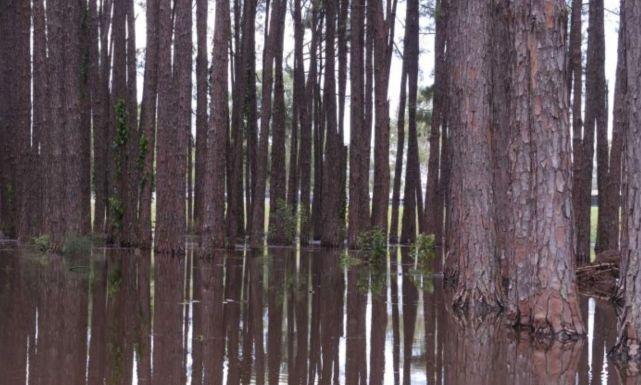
(299, 317)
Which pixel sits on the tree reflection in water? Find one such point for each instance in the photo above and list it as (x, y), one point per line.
(300, 317)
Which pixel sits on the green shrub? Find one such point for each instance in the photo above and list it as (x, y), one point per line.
(42, 243)
(283, 221)
(373, 242)
(423, 249)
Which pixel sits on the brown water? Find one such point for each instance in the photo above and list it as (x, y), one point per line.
(121, 317)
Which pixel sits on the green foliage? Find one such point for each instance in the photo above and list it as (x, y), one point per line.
(374, 243)
(423, 248)
(114, 280)
(117, 211)
(347, 261)
(283, 221)
(42, 243)
(77, 245)
(122, 136)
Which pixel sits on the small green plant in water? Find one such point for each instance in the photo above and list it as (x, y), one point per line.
(423, 248)
(374, 243)
(283, 221)
(77, 245)
(347, 261)
(42, 243)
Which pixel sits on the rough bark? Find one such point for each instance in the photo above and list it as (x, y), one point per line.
(133, 173)
(170, 180)
(357, 117)
(201, 108)
(433, 202)
(213, 230)
(306, 111)
(629, 327)
(471, 264)
(412, 194)
(258, 204)
(333, 223)
(316, 68)
(400, 149)
(583, 186)
(608, 157)
(501, 83)
(148, 125)
(278, 234)
(380, 199)
(542, 293)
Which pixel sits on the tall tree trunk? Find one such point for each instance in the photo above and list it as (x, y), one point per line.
(608, 186)
(332, 222)
(471, 266)
(380, 200)
(433, 195)
(501, 84)
(583, 187)
(629, 328)
(542, 292)
(258, 208)
(400, 148)
(40, 109)
(278, 234)
(148, 125)
(412, 170)
(306, 111)
(134, 169)
(213, 231)
(251, 113)
(319, 130)
(170, 181)
(575, 87)
(201, 108)
(357, 121)
(614, 182)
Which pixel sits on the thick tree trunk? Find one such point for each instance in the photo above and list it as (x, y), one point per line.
(40, 109)
(412, 194)
(628, 344)
(278, 234)
(332, 222)
(357, 122)
(202, 81)
(542, 290)
(148, 126)
(213, 230)
(471, 265)
(170, 181)
(316, 64)
(380, 199)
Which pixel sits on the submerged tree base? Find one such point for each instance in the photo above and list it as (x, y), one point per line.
(549, 315)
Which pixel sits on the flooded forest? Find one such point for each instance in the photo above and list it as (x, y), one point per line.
(332, 192)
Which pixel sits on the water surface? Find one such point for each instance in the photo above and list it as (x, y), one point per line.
(282, 316)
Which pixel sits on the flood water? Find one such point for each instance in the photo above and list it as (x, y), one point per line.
(275, 317)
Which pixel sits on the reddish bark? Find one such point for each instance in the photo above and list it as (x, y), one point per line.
(333, 223)
(213, 230)
(148, 125)
(629, 326)
(201, 108)
(400, 148)
(170, 180)
(380, 199)
(471, 264)
(542, 291)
